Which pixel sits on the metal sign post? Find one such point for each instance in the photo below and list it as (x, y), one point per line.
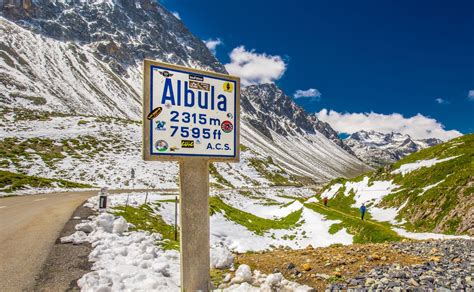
(133, 178)
(193, 117)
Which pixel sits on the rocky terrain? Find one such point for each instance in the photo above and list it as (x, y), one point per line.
(378, 149)
(299, 141)
(447, 265)
(425, 265)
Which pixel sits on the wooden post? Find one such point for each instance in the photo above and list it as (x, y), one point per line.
(194, 231)
(176, 218)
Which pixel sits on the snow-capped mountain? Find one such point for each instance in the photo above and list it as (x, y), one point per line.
(277, 111)
(85, 57)
(298, 140)
(378, 149)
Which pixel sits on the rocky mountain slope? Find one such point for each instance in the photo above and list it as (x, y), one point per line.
(379, 149)
(299, 141)
(84, 59)
(430, 190)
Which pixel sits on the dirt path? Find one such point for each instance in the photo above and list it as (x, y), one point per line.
(29, 227)
(349, 215)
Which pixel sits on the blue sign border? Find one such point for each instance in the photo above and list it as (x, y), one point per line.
(152, 67)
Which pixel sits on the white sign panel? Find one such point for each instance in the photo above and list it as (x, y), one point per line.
(190, 113)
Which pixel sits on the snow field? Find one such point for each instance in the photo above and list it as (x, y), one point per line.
(115, 151)
(133, 260)
(409, 167)
(312, 227)
(427, 235)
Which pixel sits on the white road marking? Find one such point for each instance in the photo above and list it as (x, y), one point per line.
(1, 207)
(42, 199)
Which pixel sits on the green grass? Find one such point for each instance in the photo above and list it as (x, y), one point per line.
(14, 150)
(440, 207)
(364, 231)
(436, 203)
(143, 218)
(11, 182)
(217, 276)
(277, 177)
(253, 223)
(219, 178)
(23, 114)
(256, 195)
(243, 148)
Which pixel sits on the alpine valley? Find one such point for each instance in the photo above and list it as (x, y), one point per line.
(70, 118)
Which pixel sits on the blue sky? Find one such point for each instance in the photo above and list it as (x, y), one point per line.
(403, 66)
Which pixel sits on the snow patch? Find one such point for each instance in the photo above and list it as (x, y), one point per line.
(221, 258)
(363, 193)
(409, 167)
(426, 235)
(332, 191)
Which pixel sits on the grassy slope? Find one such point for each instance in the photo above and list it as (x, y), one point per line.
(251, 222)
(437, 209)
(433, 210)
(143, 218)
(11, 182)
(363, 231)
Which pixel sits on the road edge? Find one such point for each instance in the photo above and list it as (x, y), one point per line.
(65, 263)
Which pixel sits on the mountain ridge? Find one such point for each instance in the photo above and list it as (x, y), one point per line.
(63, 72)
(379, 149)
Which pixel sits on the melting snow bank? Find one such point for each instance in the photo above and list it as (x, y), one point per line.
(244, 280)
(312, 228)
(125, 260)
(423, 236)
(133, 260)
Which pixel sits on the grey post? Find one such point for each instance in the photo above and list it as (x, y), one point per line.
(194, 231)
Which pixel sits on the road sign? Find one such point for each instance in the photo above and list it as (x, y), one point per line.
(191, 116)
(190, 113)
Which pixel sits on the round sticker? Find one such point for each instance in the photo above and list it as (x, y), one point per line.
(161, 145)
(227, 126)
(228, 86)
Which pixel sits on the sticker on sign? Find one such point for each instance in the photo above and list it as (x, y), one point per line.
(189, 112)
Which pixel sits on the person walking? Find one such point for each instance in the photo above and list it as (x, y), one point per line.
(325, 201)
(362, 211)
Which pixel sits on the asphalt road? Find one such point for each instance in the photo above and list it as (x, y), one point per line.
(29, 226)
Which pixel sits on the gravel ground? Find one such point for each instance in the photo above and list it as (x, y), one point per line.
(450, 267)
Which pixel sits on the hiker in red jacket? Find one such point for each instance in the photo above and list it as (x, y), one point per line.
(325, 201)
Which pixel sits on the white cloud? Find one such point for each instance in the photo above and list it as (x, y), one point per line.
(440, 100)
(176, 14)
(470, 94)
(255, 68)
(312, 93)
(418, 126)
(212, 44)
